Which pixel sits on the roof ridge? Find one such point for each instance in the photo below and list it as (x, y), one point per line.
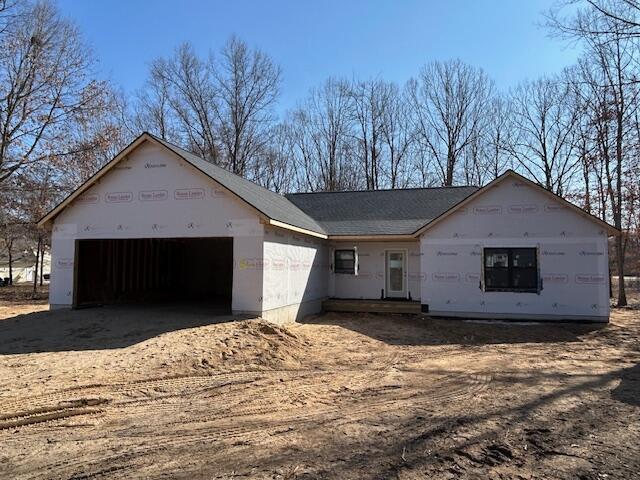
(306, 193)
(383, 190)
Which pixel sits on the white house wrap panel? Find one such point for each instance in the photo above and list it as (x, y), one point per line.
(155, 194)
(572, 257)
(295, 273)
(370, 279)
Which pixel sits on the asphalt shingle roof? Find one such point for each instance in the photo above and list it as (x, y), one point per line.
(368, 212)
(271, 204)
(378, 212)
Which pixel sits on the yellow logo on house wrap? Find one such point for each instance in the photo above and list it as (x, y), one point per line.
(250, 264)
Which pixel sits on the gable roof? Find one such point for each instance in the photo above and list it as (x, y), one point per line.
(272, 206)
(511, 174)
(378, 212)
(404, 213)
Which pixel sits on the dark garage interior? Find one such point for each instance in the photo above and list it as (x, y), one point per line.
(154, 270)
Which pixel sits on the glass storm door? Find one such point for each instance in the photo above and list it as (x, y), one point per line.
(396, 274)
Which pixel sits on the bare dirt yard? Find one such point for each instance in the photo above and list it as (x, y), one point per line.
(174, 392)
(20, 299)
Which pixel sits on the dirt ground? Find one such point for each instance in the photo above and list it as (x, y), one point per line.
(20, 299)
(171, 392)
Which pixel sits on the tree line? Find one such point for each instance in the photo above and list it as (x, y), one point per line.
(576, 133)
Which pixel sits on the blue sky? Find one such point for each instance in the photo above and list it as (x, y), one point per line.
(314, 40)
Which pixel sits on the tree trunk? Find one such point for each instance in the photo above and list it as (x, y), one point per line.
(10, 251)
(35, 272)
(448, 180)
(585, 177)
(610, 278)
(41, 265)
(622, 294)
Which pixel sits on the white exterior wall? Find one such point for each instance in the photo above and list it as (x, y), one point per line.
(573, 258)
(155, 194)
(370, 280)
(295, 276)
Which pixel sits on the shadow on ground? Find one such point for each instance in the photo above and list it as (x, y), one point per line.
(412, 330)
(102, 327)
(629, 389)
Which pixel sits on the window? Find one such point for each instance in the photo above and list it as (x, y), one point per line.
(345, 261)
(510, 270)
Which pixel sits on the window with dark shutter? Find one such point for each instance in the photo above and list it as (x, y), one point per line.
(511, 270)
(345, 261)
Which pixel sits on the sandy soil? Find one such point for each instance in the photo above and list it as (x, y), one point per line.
(169, 392)
(19, 299)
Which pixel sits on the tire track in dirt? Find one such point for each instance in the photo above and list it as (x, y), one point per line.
(250, 419)
(62, 410)
(386, 362)
(160, 390)
(192, 381)
(121, 388)
(254, 429)
(24, 419)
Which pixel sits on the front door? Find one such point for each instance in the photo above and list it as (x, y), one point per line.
(396, 269)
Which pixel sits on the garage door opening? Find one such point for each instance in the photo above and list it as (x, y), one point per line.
(154, 270)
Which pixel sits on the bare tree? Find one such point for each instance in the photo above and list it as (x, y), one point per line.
(614, 61)
(621, 17)
(44, 82)
(399, 138)
(36, 195)
(322, 134)
(248, 84)
(498, 136)
(9, 10)
(219, 109)
(612, 77)
(449, 99)
(152, 110)
(545, 128)
(10, 227)
(275, 168)
(368, 103)
(594, 134)
(94, 140)
(180, 102)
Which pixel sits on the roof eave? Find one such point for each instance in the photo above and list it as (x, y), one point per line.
(278, 223)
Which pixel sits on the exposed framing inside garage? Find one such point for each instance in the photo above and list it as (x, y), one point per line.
(153, 270)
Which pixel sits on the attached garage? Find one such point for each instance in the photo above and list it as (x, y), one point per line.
(158, 224)
(150, 270)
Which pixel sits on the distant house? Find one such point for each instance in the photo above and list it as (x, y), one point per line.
(23, 262)
(159, 223)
